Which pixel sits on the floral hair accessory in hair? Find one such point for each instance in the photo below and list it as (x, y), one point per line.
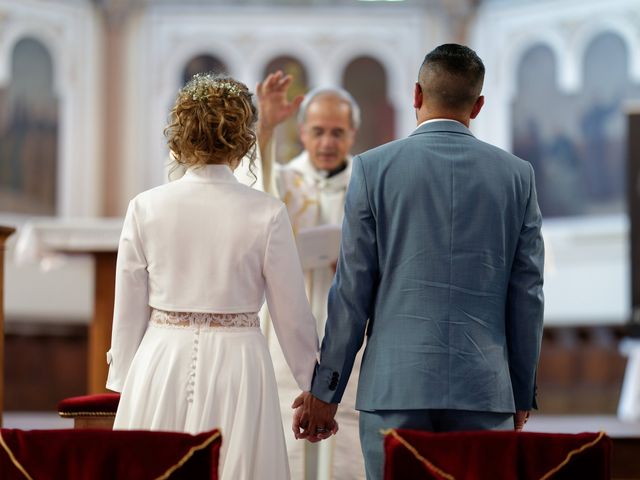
(204, 84)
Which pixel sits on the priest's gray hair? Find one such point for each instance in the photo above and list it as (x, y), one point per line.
(335, 92)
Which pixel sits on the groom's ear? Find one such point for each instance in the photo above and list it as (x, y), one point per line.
(477, 106)
(417, 96)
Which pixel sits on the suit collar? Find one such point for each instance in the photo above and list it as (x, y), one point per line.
(442, 125)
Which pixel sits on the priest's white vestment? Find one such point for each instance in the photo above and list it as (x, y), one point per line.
(313, 199)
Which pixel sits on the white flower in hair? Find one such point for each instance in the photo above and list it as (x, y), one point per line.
(202, 85)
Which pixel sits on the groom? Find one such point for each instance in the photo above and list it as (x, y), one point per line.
(441, 268)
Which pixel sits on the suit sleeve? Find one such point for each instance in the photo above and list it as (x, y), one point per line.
(352, 293)
(525, 305)
(289, 308)
(131, 309)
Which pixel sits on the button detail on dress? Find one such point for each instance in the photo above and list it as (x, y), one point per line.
(191, 382)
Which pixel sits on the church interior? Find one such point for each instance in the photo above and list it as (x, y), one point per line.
(85, 87)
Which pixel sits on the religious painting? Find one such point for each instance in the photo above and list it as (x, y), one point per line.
(576, 142)
(29, 133)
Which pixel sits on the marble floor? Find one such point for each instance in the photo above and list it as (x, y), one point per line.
(583, 423)
(35, 420)
(538, 423)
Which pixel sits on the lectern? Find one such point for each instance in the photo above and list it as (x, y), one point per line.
(5, 232)
(97, 238)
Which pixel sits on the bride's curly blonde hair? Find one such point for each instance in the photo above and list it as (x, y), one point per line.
(212, 122)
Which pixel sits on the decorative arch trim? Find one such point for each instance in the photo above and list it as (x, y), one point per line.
(618, 26)
(381, 53)
(45, 36)
(182, 55)
(566, 72)
(304, 53)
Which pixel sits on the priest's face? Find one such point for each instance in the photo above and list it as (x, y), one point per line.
(327, 133)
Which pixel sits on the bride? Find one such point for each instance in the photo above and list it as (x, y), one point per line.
(196, 258)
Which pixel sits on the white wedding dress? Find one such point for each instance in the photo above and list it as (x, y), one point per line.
(192, 373)
(196, 259)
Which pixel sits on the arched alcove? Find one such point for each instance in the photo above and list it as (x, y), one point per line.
(286, 136)
(203, 64)
(29, 133)
(575, 141)
(366, 79)
(602, 121)
(539, 120)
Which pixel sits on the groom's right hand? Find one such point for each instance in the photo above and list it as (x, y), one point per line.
(519, 419)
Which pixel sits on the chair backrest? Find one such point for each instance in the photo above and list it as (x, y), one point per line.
(496, 455)
(107, 455)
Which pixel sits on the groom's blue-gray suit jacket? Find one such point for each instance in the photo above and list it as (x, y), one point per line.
(441, 266)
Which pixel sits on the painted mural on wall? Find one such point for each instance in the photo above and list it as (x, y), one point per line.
(576, 142)
(29, 133)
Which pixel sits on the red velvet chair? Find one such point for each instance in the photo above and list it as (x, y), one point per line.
(108, 455)
(90, 411)
(496, 455)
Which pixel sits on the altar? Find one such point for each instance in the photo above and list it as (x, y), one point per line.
(54, 240)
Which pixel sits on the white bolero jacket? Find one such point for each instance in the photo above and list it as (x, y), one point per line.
(207, 243)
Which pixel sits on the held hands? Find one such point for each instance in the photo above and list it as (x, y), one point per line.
(272, 101)
(519, 419)
(313, 419)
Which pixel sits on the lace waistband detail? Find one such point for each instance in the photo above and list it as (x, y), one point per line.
(201, 319)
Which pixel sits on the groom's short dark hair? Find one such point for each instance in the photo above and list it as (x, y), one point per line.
(452, 75)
